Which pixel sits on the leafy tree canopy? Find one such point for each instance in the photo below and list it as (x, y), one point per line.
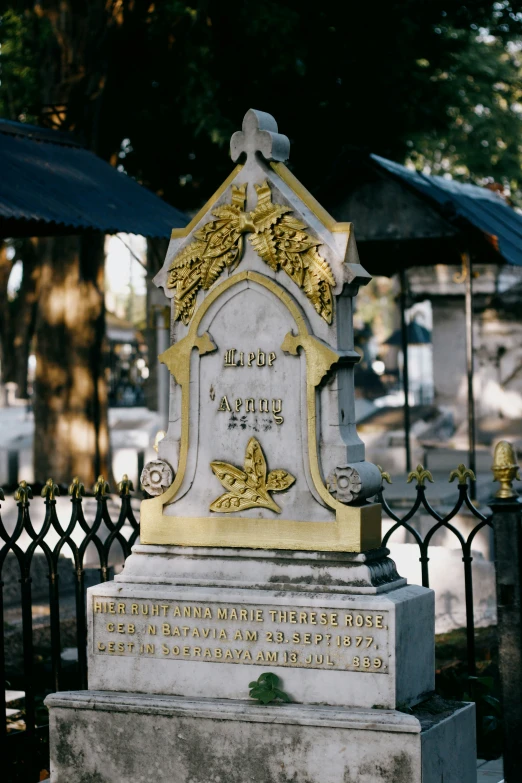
(159, 87)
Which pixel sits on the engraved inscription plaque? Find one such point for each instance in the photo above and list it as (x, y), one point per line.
(307, 637)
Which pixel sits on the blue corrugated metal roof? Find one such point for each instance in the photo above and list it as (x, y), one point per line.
(481, 207)
(47, 177)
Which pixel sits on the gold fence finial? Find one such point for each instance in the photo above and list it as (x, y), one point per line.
(505, 469)
(76, 489)
(24, 493)
(101, 487)
(462, 473)
(125, 486)
(50, 490)
(385, 476)
(421, 474)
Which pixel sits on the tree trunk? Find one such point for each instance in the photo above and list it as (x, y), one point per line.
(6, 342)
(71, 429)
(17, 317)
(30, 252)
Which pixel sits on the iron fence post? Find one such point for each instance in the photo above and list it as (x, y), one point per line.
(467, 270)
(507, 516)
(405, 374)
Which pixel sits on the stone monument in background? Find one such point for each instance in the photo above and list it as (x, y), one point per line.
(258, 632)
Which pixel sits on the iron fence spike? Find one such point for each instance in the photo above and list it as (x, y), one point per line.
(125, 486)
(385, 476)
(24, 493)
(101, 487)
(462, 473)
(76, 488)
(420, 474)
(50, 490)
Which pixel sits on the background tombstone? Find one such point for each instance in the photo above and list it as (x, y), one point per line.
(259, 570)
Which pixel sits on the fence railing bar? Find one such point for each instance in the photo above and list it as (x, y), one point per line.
(54, 601)
(3, 704)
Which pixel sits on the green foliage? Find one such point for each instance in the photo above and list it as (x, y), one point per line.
(265, 689)
(482, 93)
(23, 38)
(159, 87)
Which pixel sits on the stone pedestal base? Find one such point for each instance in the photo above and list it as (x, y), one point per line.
(338, 628)
(102, 737)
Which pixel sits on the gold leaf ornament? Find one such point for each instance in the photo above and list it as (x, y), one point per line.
(249, 487)
(217, 244)
(278, 237)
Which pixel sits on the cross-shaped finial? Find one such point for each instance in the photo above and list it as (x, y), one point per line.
(259, 134)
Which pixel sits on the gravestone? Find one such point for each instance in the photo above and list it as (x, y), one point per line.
(260, 567)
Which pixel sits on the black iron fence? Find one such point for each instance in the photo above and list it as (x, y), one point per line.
(101, 539)
(421, 502)
(25, 750)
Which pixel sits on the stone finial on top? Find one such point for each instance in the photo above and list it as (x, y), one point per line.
(259, 134)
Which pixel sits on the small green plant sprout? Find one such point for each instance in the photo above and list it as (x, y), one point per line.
(265, 689)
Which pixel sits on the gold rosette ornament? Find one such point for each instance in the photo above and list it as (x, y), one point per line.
(279, 238)
(249, 488)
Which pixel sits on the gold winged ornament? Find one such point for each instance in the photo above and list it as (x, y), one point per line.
(249, 488)
(279, 238)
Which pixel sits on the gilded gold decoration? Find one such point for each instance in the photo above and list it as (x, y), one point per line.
(101, 487)
(158, 438)
(177, 357)
(505, 469)
(280, 239)
(385, 476)
(319, 358)
(125, 487)
(282, 242)
(356, 528)
(24, 493)
(250, 487)
(50, 490)
(462, 473)
(76, 489)
(420, 474)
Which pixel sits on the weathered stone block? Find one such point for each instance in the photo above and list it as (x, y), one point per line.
(338, 649)
(119, 737)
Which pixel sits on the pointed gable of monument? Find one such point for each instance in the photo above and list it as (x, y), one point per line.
(262, 411)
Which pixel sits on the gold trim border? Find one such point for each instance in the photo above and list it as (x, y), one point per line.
(347, 533)
(358, 531)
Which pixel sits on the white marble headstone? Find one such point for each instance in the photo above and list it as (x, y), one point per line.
(262, 435)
